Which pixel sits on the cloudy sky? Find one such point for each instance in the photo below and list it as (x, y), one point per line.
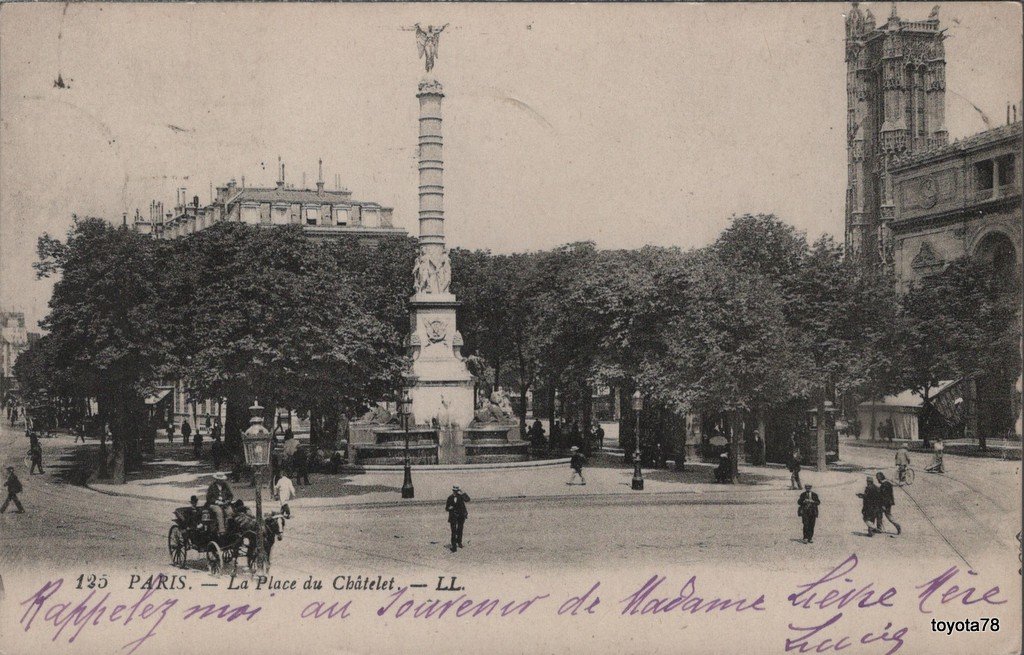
(622, 124)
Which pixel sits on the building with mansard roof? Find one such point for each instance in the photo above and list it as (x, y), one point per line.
(321, 212)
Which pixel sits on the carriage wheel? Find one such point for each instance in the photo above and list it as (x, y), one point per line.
(215, 558)
(177, 546)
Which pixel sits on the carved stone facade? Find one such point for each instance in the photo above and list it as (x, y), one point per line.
(958, 200)
(896, 82)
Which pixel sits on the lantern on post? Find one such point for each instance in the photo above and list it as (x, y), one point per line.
(405, 411)
(638, 476)
(256, 447)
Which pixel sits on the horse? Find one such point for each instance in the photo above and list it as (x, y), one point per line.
(273, 530)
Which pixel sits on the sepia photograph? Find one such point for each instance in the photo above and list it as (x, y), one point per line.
(511, 328)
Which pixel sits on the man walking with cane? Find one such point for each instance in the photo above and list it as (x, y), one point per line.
(886, 501)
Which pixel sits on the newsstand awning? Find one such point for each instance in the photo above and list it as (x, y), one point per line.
(156, 397)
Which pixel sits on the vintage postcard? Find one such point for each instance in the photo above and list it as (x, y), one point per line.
(510, 328)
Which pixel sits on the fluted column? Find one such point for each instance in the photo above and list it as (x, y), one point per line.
(431, 164)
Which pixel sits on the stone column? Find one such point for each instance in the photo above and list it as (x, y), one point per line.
(442, 389)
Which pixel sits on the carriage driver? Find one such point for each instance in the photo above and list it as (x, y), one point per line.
(219, 497)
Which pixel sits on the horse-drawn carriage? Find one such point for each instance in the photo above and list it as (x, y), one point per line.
(195, 528)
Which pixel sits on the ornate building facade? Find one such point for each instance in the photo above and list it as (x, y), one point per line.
(896, 85)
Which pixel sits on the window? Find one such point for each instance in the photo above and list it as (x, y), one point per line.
(983, 175)
(1007, 174)
(311, 215)
(341, 215)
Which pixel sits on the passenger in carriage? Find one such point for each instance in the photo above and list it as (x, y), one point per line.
(219, 495)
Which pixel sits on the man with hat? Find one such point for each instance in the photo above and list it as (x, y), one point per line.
(807, 510)
(457, 513)
(13, 485)
(576, 464)
(219, 494)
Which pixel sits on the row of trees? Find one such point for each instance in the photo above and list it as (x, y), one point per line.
(235, 312)
(750, 323)
(747, 324)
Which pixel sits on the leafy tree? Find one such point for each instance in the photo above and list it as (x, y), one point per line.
(105, 337)
(275, 316)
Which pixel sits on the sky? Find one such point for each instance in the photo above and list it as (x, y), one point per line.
(622, 124)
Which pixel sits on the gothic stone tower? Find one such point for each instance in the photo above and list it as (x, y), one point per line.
(896, 103)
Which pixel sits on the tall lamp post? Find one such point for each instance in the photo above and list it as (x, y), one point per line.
(256, 446)
(638, 476)
(405, 409)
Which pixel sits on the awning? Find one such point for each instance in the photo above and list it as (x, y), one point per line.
(155, 398)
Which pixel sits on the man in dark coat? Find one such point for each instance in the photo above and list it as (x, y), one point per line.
(186, 431)
(886, 501)
(794, 469)
(14, 488)
(536, 433)
(807, 506)
(219, 495)
(457, 513)
(872, 503)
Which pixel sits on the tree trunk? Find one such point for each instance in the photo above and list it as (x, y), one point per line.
(762, 457)
(821, 464)
(522, 411)
(237, 420)
(734, 444)
(924, 422)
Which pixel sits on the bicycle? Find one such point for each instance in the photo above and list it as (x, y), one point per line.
(904, 478)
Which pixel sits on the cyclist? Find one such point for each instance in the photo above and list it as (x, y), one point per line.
(902, 464)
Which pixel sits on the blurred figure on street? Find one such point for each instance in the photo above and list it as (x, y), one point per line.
(576, 461)
(723, 472)
(14, 488)
(794, 469)
(902, 464)
(186, 431)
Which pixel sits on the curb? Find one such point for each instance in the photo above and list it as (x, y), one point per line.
(508, 499)
(427, 468)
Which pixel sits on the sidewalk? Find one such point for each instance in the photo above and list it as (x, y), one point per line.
(175, 481)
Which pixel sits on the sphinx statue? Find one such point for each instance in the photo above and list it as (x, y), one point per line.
(378, 416)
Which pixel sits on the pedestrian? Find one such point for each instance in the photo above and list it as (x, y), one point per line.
(291, 444)
(723, 472)
(216, 449)
(576, 464)
(208, 422)
(35, 452)
(794, 469)
(197, 444)
(886, 501)
(758, 449)
(536, 433)
(186, 431)
(284, 491)
(871, 505)
(937, 466)
(457, 514)
(301, 464)
(170, 431)
(80, 432)
(598, 434)
(807, 510)
(902, 464)
(556, 436)
(14, 488)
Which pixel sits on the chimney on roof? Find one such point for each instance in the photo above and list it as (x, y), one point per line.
(243, 181)
(320, 179)
(124, 220)
(280, 180)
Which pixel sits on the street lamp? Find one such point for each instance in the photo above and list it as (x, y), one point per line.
(256, 446)
(405, 409)
(638, 476)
